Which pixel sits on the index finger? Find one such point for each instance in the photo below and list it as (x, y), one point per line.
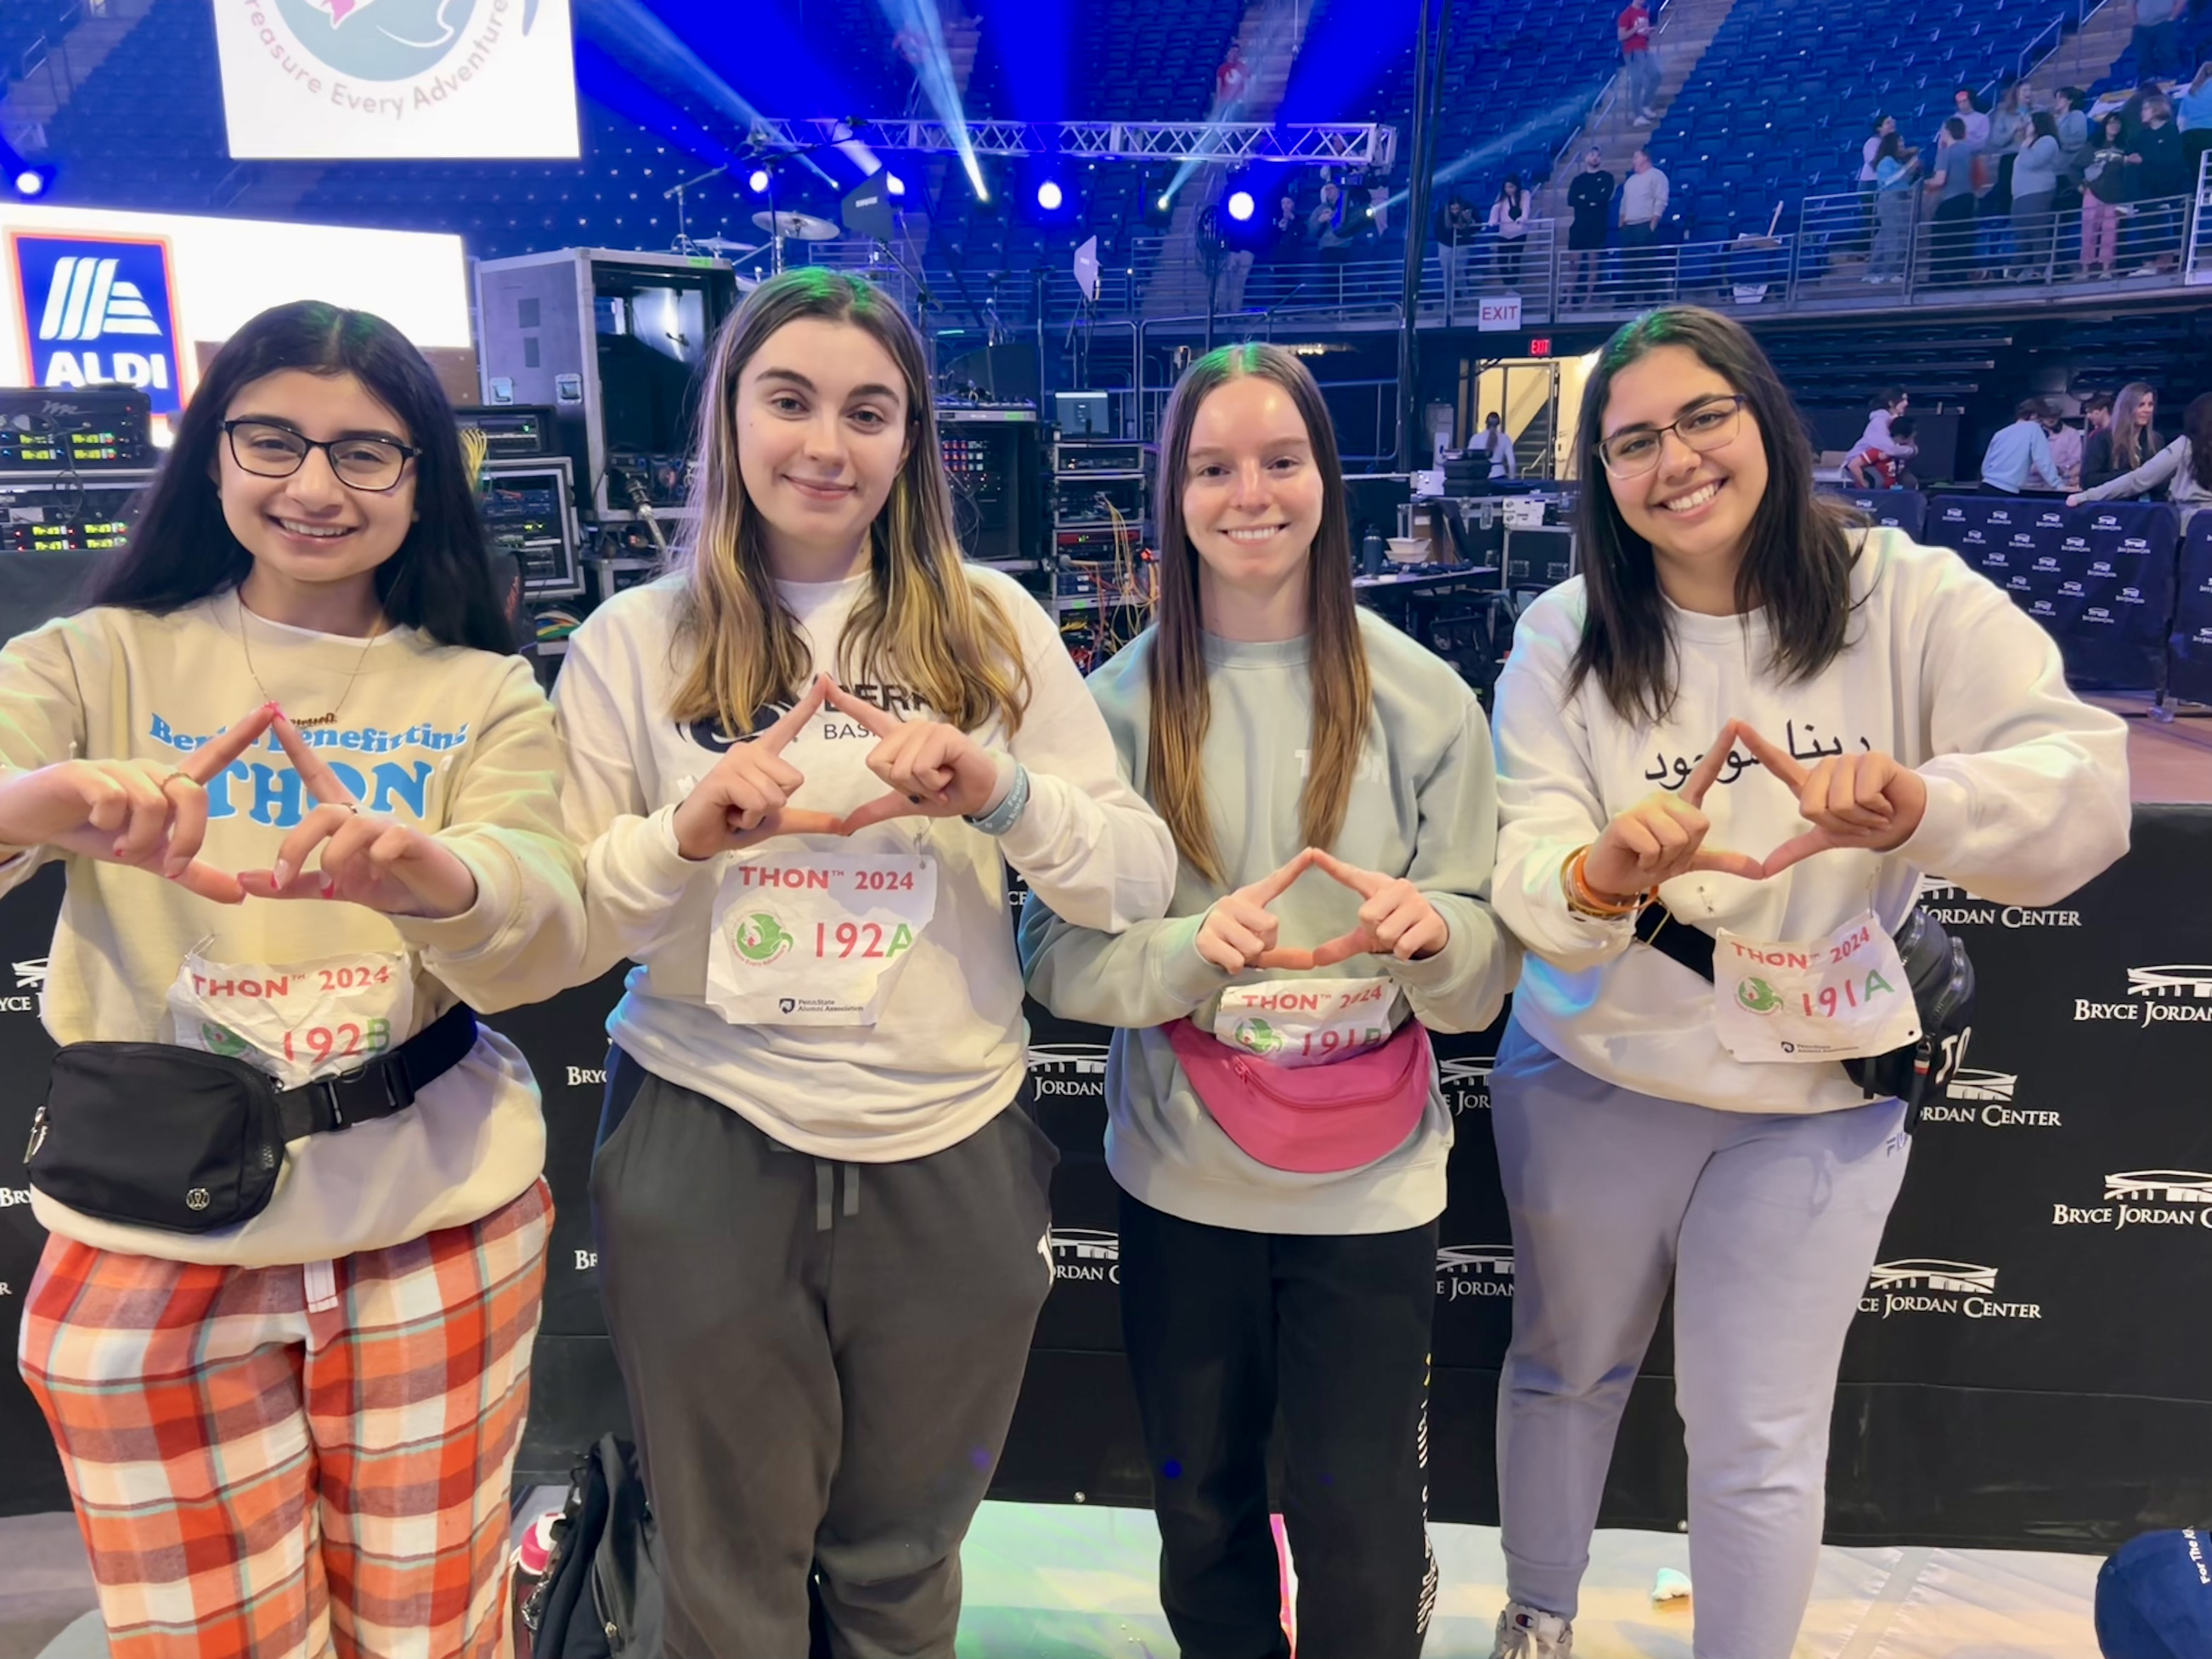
(874, 718)
(1777, 761)
(1366, 883)
(206, 762)
(1265, 890)
(778, 737)
(1717, 753)
(314, 771)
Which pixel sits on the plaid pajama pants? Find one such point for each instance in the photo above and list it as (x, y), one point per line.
(279, 1462)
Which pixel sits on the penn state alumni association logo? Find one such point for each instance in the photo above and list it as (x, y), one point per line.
(100, 309)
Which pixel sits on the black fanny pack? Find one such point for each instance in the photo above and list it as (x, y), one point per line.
(157, 1135)
(1942, 981)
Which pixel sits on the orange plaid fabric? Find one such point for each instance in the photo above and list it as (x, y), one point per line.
(257, 1477)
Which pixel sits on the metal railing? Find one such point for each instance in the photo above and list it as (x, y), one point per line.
(1841, 252)
(1847, 244)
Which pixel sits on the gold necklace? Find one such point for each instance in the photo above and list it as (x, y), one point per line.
(311, 720)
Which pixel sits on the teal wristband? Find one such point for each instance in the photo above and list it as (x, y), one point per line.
(1008, 812)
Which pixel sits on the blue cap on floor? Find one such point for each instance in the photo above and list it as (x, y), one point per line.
(2154, 1597)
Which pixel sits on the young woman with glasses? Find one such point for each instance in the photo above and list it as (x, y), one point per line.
(290, 1427)
(1749, 720)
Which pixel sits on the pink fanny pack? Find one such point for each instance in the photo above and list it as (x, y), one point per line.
(1315, 1120)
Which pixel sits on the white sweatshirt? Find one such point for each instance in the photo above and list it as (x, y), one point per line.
(947, 1051)
(2027, 799)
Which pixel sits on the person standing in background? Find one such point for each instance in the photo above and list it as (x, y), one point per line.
(1951, 233)
(2194, 111)
(2069, 112)
(1870, 177)
(2155, 41)
(2009, 131)
(2066, 454)
(1510, 216)
(2019, 456)
(2157, 185)
(2105, 186)
(1643, 210)
(2035, 190)
(1590, 197)
(1639, 60)
(2185, 467)
(1458, 226)
(2127, 440)
(1498, 444)
(1895, 168)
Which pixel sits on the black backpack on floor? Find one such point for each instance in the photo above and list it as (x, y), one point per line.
(600, 1596)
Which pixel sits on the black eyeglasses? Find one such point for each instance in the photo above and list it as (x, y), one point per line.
(269, 451)
(1632, 453)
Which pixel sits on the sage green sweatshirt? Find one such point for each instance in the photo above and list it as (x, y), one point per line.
(1423, 805)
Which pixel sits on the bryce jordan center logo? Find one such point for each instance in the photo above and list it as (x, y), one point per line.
(1465, 1272)
(1963, 1290)
(2144, 1198)
(1980, 1096)
(99, 310)
(2171, 993)
(1086, 1255)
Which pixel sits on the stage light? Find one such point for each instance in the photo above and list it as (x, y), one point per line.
(31, 181)
(758, 182)
(1240, 205)
(1048, 196)
(1165, 204)
(894, 184)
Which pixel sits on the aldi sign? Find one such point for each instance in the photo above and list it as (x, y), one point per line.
(98, 311)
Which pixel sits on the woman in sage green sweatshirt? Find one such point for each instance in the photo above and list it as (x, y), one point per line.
(1329, 785)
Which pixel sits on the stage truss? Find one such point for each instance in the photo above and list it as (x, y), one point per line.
(1357, 144)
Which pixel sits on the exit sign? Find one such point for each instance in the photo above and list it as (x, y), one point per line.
(1540, 347)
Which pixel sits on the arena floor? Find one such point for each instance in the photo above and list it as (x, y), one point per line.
(1060, 1583)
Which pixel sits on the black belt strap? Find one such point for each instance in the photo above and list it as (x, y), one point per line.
(1668, 934)
(383, 1086)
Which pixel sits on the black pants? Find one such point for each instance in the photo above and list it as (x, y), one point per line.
(1639, 266)
(1951, 242)
(1222, 1329)
(822, 1360)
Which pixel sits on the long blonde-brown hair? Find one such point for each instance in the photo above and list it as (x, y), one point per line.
(1343, 694)
(922, 622)
(2131, 445)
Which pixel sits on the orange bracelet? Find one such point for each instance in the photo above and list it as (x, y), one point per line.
(1581, 896)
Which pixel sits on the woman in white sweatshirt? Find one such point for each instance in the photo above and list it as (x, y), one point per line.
(801, 765)
(1771, 724)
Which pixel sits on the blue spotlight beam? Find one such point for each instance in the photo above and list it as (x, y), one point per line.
(633, 36)
(1357, 144)
(934, 71)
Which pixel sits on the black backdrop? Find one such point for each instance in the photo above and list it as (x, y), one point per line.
(2032, 1365)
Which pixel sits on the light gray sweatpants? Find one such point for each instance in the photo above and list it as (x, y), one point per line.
(1766, 1228)
(822, 1360)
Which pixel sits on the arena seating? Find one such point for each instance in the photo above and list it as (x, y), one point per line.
(1784, 96)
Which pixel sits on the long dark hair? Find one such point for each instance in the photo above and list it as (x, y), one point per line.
(181, 550)
(1797, 560)
(1343, 694)
(2197, 426)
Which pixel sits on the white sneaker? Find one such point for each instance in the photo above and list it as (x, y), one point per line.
(1524, 1632)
